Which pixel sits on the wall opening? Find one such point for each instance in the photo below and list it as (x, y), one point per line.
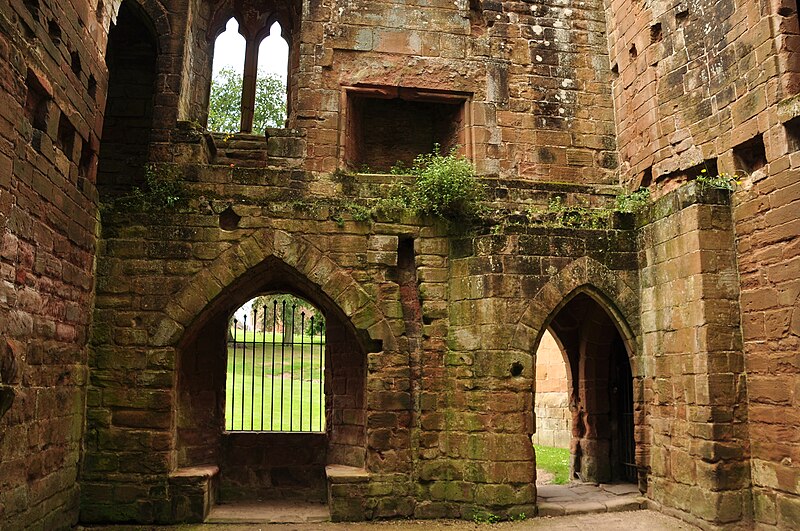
(551, 404)
(386, 126)
(600, 391)
(272, 80)
(276, 366)
(225, 98)
(252, 66)
(751, 155)
(286, 458)
(38, 105)
(793, 134)
(128, 120)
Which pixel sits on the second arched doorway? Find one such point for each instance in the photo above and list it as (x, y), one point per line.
(594, 396)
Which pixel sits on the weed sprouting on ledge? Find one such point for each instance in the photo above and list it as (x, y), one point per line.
(161, 191)
(633, 202)
(583, 217)
(445, 186)
(723, 181)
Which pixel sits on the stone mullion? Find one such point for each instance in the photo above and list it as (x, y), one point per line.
(249, 84)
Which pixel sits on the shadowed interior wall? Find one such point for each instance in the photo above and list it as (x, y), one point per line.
(594, 348)
(382, 132)
(131, 59)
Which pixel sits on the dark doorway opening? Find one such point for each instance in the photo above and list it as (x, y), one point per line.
(601, 392)
(128, 120)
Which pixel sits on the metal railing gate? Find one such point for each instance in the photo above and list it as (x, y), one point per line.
(275, 380)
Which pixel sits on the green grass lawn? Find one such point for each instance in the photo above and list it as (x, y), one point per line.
(294, 384)
(555, 461)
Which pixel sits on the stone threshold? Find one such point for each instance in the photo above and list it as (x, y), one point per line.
(268, 512)
(588, 498)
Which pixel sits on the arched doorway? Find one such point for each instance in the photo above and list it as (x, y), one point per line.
(600, 390)
(283, 461)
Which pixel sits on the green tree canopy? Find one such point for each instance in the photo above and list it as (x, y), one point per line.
(268, 301)
(225, 102)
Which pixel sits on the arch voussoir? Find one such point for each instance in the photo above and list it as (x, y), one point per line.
(582, 275)
(234, 263)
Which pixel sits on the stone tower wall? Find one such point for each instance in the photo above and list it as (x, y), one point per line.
(714, 86)
(535, 78)
(529, 92)
(52, 80)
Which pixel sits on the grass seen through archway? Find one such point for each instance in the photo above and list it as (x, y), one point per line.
(268, 389)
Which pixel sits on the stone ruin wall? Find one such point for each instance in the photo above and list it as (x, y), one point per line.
(53, 76)
(687, 93)
(714, 85)
(551, 401)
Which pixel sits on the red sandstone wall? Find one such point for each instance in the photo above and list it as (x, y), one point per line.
(551, 403)
(51, 82)
(697, 81)
(536, 78)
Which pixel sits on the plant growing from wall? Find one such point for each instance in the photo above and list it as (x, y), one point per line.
(575, 216)
(445, 186)
(161, 191)
(632, 202)
(723, 181)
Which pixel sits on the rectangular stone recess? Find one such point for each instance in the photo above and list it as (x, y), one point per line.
(386, 125)
(793, 134)
(751, 155)
(273, 466)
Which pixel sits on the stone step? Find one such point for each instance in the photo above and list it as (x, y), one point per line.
(268, 512)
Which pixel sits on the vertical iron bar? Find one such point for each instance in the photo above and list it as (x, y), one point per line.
(253, 377)
(272, 386)
(302, 355)
(244, 365)
(263, 357)
(321, 383)
(283, 347)
(291, 382)
(233, 376)
(311, 380)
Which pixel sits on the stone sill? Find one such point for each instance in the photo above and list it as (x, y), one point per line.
(789, 108)
(346, 474)
(195, 473)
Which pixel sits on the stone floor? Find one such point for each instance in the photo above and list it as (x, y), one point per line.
(588, 498)
(645, 520)
(569, 507)
(554, 500)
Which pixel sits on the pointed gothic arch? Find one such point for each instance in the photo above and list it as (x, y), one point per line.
(186, 311)
(584, 275)
(593, 312)
(276, 463)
